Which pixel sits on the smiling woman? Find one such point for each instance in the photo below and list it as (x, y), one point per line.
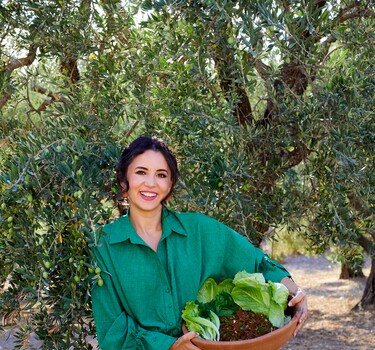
(153, 260)
(149, 183)
(139, 147)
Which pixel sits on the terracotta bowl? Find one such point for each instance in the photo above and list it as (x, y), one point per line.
(270, 341)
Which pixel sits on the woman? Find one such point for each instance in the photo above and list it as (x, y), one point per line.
(154, 260)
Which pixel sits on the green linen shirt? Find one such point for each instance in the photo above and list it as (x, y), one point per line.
(144, 292)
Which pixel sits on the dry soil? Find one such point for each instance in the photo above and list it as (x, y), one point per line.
(331, 323)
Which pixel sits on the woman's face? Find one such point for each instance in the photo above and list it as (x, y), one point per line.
(149, 179)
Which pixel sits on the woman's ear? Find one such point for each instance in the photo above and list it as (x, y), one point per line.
(124, 191)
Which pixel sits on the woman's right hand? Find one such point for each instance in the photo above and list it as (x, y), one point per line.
(184, 342)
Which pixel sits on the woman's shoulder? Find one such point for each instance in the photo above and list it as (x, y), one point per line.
(196, 220)
(111, 228)
(115, 223)
(192, 216)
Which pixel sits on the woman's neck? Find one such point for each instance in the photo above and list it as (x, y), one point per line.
(148, 226)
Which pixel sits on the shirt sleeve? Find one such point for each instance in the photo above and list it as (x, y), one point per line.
(241, 254)
(271, 269)
(115, 329)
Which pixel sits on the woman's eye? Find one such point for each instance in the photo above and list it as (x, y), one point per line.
(163, 176)
(140, 172)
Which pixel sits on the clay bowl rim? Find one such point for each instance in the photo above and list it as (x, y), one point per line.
(290, 326)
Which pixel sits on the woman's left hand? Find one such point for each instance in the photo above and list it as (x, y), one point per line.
(299, 301)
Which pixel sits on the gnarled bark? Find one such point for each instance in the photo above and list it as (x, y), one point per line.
(367, 301)
(347, 272)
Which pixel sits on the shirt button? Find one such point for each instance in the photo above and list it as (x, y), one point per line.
(167, 290)
(170, 323)
(170, 306)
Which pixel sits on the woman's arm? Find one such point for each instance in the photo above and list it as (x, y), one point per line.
(299, 300)
(115, 329)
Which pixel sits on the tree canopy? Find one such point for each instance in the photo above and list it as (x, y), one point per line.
(268, 105)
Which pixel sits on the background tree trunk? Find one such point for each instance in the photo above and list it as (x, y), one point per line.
(368, 299)
(348, 272)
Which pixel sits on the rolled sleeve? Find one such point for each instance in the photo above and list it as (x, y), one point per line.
(272, 270)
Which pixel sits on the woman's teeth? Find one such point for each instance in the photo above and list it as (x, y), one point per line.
(147, 194)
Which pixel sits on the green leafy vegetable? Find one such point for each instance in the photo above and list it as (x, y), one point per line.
(279, 300)
(226, 286)
(248, 279)
(222, 305)
(247, 291)
(207, 328)
(251, 292)
(210, 289)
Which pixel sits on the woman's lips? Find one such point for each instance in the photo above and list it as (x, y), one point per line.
(148, 196)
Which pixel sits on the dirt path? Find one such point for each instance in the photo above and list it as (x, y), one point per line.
(330, 325)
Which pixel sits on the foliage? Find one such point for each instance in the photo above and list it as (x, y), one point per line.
(268, 105)
(60, 146)
(56, 189)
(248, 291)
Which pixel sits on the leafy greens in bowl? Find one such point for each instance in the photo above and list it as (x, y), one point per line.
(246, 291)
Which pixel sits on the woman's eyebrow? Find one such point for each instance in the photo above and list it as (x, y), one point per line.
(145, 168)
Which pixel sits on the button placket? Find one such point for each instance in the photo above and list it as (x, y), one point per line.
(169, 306)
(168, 298)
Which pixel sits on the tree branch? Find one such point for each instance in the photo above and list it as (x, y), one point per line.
(299, 154)
(47, 102)
(354, 11)
(262, 69)
(21, 62)
(69, 67)
(230, 79)
(14, 64)
(4, 99)
(129, 132)
(54, 97)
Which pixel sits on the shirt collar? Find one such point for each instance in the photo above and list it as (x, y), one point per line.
(122, 229)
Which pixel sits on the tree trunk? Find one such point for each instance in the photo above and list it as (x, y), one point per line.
(368, 298)
(347, 272)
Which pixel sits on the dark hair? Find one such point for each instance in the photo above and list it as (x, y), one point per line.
(139, 146)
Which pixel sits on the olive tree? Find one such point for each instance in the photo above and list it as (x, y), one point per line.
(288, 86)
(69, 98)
(267, 104)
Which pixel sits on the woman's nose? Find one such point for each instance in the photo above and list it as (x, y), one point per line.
(150, 181)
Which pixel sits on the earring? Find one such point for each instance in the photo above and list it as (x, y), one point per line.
(125, 195)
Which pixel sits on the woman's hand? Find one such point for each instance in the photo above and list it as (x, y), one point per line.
(299, 301)
(184, 342)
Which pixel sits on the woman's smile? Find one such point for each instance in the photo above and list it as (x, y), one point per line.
(148, 195)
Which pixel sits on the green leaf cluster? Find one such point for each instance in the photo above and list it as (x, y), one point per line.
(246, 291)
